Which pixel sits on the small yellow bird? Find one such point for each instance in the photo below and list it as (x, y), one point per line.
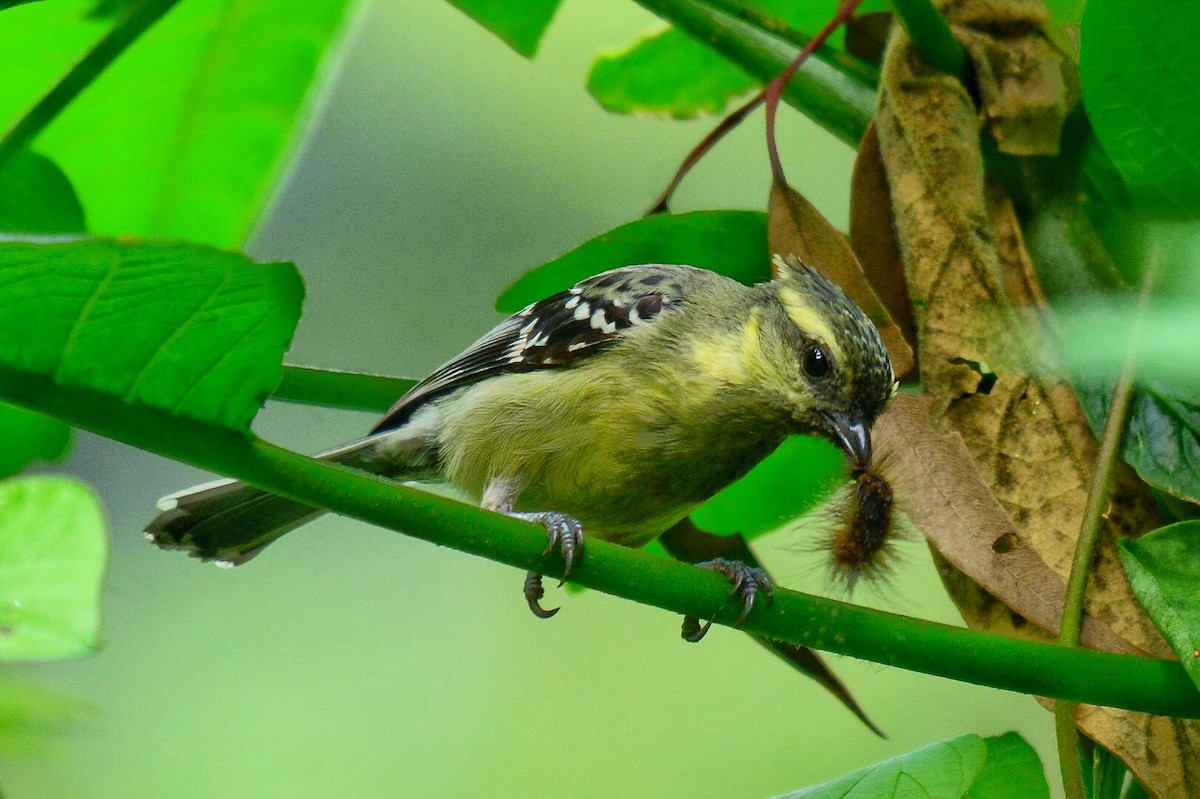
(615, 407)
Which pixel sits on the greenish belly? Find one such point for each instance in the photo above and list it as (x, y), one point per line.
(627, 472)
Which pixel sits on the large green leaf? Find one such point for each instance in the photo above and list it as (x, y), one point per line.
(667, 73)
(1137, 64)
(1164, 571)
(1004, 767)
(784, 485)
(36, 197)
(733, 243)
(520, 25)
(186, 328)
(53, 552)
(188, 132)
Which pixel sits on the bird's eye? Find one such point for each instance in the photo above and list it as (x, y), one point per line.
(816, 362)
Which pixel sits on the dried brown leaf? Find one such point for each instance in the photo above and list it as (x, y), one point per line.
(796, 227)
(986, 357)
(946, 497)
(866, 35)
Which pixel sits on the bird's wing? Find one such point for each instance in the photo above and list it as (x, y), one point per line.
(554, 333)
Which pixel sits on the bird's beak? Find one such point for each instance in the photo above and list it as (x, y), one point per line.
(852, 435)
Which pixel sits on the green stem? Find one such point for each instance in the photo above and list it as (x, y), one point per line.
(135, 21)
(931, 36)
(337, 389)
(1085, 547)
(864, 72)
(1135, 683)
(838, 101)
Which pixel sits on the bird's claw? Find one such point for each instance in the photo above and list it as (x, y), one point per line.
(563, 532)
(533, 594)
(747, 582)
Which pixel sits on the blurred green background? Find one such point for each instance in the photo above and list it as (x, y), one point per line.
(351, 661)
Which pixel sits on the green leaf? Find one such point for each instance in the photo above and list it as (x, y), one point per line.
(196, 122)
(36, 197)
(1012, 770)
(29, 437)
(53, 552)
(667, 73)
(1002, 767)
(1162, 437)
(1148, 127)
(944, 770)
(10, 3)
(733, 243)
(185, 328)
(519, 25)
(784, 485)
(1164, 571)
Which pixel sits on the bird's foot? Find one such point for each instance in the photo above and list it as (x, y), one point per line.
(747, 582)
(562, 531)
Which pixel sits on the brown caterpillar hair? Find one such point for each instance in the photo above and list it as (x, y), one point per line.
(861, 542)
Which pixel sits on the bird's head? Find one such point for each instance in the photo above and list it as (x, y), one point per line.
(839, 374)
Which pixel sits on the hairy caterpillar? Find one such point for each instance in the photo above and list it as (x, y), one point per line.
(861, 542)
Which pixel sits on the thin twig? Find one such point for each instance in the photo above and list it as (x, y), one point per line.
(775, 88)
(1097, 502)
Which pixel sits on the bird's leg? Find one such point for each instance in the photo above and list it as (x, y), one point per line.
(562, 531)
(747, 582)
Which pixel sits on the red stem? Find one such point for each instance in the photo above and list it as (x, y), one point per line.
(770, 94)
(774, 89)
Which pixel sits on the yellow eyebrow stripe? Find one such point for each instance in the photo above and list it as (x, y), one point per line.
(808, 320)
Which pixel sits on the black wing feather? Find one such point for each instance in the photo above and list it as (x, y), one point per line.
(554, 333)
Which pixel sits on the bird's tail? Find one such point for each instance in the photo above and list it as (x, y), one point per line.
(230, 522)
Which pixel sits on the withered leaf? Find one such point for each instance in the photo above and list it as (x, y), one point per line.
(987, 359)
(796, 227)
(939, 487)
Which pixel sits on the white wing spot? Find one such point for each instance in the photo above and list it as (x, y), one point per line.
(601, 323)
(583, 311)
(571, 303)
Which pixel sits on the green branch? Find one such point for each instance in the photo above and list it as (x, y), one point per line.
(1135, 683)
(135, 21)
(838, 100)
(337, 389)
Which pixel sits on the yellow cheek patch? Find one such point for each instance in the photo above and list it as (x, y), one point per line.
(733, 358)
(720, 359)
(808, 320)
